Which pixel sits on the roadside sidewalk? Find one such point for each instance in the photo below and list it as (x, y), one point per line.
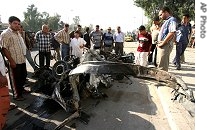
(181, 116)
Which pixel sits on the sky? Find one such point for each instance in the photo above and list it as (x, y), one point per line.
(105, 13)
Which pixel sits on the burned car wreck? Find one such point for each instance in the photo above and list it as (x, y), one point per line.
(71, 80)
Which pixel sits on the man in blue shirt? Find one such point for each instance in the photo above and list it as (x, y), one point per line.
(165, 38)
(108, 40)
(182, 39)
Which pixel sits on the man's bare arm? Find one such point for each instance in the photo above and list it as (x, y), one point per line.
(8, 56)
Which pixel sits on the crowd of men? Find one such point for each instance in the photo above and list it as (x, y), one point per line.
(154, 48)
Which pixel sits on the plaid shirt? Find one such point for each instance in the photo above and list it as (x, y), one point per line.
(43, 40)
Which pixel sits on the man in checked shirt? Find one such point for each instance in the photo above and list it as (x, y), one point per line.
(43, 40)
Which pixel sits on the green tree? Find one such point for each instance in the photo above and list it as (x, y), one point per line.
(76, 20)
(33, 20)
(178, 7)
(53, 22)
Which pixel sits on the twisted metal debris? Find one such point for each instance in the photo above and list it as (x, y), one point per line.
(97, 67)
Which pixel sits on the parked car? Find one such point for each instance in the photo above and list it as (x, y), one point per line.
(128, 38)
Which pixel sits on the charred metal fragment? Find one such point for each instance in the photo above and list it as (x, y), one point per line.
(71, 80)
(106, 67)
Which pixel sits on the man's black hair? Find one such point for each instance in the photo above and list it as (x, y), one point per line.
(66, 25)
(13, 18)
(142, 27)
(87, 29)
(77, 32)
(156, 18)
(187, 15)
(166, 9)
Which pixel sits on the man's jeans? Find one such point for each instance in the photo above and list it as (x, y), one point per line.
(65, 50)
(180, 48)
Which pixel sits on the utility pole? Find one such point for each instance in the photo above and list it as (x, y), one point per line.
(142, 19)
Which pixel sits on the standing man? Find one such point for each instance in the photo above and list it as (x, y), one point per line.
(28, 47)
(182, 40)
(77, 45)
(96, 38)
(119, 41)
(87, 37)
(43, 39)
(165, 38)
(63, 38)
(108, 40)
(14, 49)
(55, 45)
(143, 50)
(155, 29)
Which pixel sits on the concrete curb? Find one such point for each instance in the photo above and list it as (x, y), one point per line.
(178, 117)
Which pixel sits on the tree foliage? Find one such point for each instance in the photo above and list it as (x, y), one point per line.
(33, 20)
(178, 7)
(76, 20)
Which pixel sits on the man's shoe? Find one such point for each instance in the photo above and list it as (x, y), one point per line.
(178, 68)
(19, 98)
(26, 91)
(12, 107)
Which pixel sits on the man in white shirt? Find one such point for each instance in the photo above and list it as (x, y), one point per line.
(77, 44)
(119, 41)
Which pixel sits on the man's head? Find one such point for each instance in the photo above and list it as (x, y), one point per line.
(156, 20)
(142, 30)
(185, 18)
(164, 13)
(79, 27)
(118, 29)
(66, 27)
(109, 29)
(14, 23)
(87, 29)
(20, 29)
(45, 28)
(97, 27)
(76, 34)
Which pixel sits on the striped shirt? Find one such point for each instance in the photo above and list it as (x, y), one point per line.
(44, 41)
(62, 36)
(12, 41)
(96, 37)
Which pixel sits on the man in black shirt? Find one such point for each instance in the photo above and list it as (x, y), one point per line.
(87, 37)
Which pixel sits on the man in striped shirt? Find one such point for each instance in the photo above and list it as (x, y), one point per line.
(43, 39)
(63, 37)
(12, 46)
(96, 38)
